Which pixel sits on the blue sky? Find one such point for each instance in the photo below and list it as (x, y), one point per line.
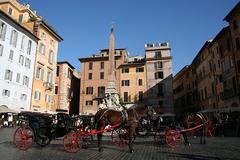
(85, 25)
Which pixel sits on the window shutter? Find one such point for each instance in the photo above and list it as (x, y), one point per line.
(42, 74)
(4, 32)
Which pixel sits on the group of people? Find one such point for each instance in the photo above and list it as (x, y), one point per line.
(8, 120)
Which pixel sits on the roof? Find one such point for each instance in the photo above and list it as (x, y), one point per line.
(18, 24)
(105, 58)
(51, 30)
(218, 35)
(181, 72)
(203, 47)
(66, 62)
(235, 9)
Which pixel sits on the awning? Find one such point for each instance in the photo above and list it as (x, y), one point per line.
(208, 110)
(5, 109)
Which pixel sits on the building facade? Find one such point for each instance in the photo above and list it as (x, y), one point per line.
(17, 58)
(131, 79)
(67, 87)
(159, 76)
(46, 54)
(94, 78)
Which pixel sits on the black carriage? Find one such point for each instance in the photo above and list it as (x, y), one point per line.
(40, 128)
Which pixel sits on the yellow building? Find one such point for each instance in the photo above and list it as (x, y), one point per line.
(133, 80)
(94, 78)
(46, 56)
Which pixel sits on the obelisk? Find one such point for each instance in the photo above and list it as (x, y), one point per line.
(111, 99)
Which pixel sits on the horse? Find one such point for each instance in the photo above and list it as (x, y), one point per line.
(111, 117)
(194, 120)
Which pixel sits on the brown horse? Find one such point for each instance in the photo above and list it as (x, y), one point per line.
(106, 117)
(198, 119)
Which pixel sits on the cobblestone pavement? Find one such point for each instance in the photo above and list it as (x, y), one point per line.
(217, 148)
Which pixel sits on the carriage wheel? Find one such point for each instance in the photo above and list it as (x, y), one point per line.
(159, 137)
(72, 142)
(23, 138)
(173, 138)
(120, 137)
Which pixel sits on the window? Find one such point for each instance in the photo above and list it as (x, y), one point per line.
(89, 90)
(42, 49)
(8, 75)
(158, 65)
(140, 82)
(21, 60)
(140, 69)
(10, 11)
(29, 48)
(140, 96)
(70, 73)
(52, 42)
(57, 71)
(18, 78)
(56, 89)
(160, 90)
(23, 42)
(1, 50)
(6, 93)
(43, 36)
(235, 25)
(37, 95)
(10, 55)
(205, 91)
(23, 97)
(51, 57)
(89, 103)
(40, 73)
(89, 75)
(160, 102)
(90, 66)
(228, 44)
(20, 18)
(101, 91)
(125, 70)
(101, 65)
(101, 75)
(237, 43)
(49, 77)
(27, 63)
(159, 75)
(158, 54)
(125, 97)
(125, 82)
(3, 28)
(25, 81)
(47, 98)
(13, 39)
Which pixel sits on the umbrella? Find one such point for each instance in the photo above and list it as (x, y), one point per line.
(5, 109)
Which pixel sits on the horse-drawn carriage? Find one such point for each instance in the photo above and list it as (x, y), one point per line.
(40, 128)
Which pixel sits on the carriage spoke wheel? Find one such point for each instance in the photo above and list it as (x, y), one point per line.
(120, 137)
(23, 138)
(173, 138)
(72, 142)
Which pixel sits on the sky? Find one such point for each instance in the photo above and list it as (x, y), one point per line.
(85, 25)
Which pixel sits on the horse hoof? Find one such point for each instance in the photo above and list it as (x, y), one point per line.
(100, 149)
(131, 150)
